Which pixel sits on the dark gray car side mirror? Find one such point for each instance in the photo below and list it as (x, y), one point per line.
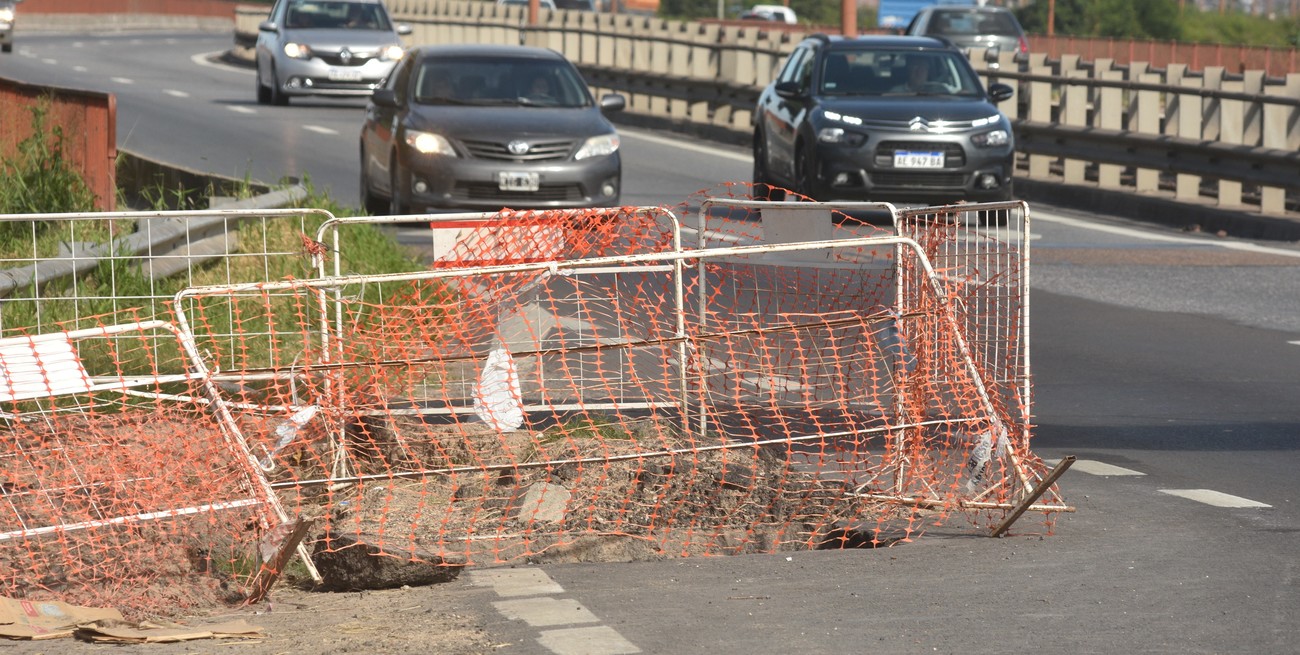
(612, 102)
(384, 97)
(999, 92)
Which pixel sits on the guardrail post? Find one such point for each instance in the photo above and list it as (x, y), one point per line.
(705, 63)
(1232, 129)
(1145, 118)
(1040, 111)
(1184, 116)
(1109, 116)
(1278, 135)
(1074, 112)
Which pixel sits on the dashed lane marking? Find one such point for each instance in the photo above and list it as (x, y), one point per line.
(545, 612)
(1093, 467)
(1215, 498)
(541, 611)
(238, 109)
(596, 640)
(516, 582)
(122, 80)
(175, 93)
(319, 129)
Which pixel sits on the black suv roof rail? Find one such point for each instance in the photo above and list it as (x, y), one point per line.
(821, 36)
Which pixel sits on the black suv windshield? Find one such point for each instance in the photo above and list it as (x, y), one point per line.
(885, 72)
(499, 81)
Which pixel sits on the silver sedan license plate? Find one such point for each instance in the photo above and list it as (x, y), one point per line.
(913, 159)
(344, 75)
(511, 181)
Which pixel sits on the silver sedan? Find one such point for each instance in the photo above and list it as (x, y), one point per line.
(325, 48)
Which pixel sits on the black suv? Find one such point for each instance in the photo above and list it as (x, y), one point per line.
(884, 118)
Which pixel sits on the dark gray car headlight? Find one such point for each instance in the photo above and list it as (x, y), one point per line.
(596, 146)
(428, 143)
(992, 138)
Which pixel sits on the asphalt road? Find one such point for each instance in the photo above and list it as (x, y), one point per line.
(1169, 363)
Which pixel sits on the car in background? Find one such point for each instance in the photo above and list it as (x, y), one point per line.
(993, 28)
(476, 127)
(325, 48)
(774, 13)
(8, 18)
(542, 4)
(882, 118)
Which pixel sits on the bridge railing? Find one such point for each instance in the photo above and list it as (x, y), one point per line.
(1207, 136)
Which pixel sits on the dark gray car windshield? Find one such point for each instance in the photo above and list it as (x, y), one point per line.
(897, 73)
(500, 81)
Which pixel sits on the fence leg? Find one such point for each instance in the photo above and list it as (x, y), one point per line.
(1040, 489)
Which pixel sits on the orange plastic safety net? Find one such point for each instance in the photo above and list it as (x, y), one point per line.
(609, 384)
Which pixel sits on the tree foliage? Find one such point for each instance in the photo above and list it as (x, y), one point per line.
(1161, 20)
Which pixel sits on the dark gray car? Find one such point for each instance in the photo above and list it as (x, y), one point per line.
(993, 28)
(484, 127)
(895, 118)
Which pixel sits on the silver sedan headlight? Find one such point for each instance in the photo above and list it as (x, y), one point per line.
(428, 143)
(596, 146)
(391, 53)
(298, 50)
(6, 15)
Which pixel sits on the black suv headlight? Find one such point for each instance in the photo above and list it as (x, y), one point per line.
(992, 138)
(840, 136)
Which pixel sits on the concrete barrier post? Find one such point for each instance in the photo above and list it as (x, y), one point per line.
(1184, 120)
(1232, 130)
(1144, 117)
(706, 63)
(1109, 116)
(1040, 111)
(1281, 131)
(1074, 112)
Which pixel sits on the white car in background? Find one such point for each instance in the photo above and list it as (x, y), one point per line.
(7, 20)
(325, 48)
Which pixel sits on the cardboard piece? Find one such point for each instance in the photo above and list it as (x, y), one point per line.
(108, 632)
(47, 619)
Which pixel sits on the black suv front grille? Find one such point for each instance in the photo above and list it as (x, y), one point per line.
(953, 155)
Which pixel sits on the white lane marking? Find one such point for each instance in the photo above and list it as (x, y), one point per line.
(122, 80)
(176, 93)
(516, 582)
(239, 109)
(686, 145)
(1215, 498)
(52, 62)
(319, 129)
(1294, 343)
(545, 611)
(80, 69)
(598, 640)
(1093, 467)
(1149, 236)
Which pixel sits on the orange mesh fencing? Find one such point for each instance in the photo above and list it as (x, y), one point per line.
(722, 377)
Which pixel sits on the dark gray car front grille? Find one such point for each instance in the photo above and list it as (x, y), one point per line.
(546, 193)
(537, 150)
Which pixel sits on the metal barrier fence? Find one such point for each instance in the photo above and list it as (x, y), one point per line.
(552, 382)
